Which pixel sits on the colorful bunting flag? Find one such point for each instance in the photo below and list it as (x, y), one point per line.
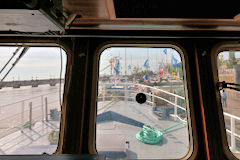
(146, 64)
(174, 63)
(165, 51)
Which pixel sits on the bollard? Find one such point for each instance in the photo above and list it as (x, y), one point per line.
(46, 109)
(125, 93)
(42, 108)
(22, 116)
(103, 92)
(175, 109)
(128, 147)
(153, 99)
(236, 69)
(233, 144)
(30, 115)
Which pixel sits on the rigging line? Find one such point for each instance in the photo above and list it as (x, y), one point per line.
(14, 53)
(60, 92)
(105, 68)
(25, 49)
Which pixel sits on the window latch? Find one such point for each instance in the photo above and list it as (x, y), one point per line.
(223, 84)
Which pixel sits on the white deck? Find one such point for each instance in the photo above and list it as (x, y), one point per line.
(175, 143)
(33, 141)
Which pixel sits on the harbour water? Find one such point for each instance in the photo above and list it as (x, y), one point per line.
(11, 95)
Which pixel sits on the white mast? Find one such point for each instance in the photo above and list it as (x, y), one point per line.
(125, 62)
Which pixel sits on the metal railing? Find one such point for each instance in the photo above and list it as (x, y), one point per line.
(232, 131)
(142, 88)
(151, 96)
(28, 120)
(23, 114)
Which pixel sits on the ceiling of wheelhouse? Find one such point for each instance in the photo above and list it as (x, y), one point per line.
(176, 9)
(60, 15)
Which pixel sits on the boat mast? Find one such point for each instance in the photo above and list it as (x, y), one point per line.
(125, 62)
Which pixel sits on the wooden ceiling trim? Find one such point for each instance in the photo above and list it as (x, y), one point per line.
(158, 21)
(237, 17)
(111, 9)
(162, 28)
(86, 8)
(83, 3)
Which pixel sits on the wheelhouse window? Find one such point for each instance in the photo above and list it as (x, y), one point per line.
(229, 72)
(142, 109)
(31, 95)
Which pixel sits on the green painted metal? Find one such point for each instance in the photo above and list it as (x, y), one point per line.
(173, 126)
(150, 135)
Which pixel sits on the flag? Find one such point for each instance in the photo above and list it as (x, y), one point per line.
(145, 78)
(136, 69)
(178, 75)
(174, 60)
(111, 66)
(117, 64)
(221, 57)
(111, 60)
(146, 64)
(161, 72)
(174, 63)
(165, 51)
(115, 81)
(117, 68)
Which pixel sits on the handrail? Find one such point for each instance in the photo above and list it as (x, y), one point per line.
(233, 117)
(5, 105)
(153, 95)
(25, 111)
(230, 115)
(172, 94)
(147, 87)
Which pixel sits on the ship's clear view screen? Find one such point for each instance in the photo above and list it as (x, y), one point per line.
(141, 110)
(229, 71)
(31, 95)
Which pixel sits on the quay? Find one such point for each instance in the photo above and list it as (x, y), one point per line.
(33, 83)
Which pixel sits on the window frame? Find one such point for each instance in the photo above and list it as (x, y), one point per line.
(193, 141)
(27, 42)
(217, 49)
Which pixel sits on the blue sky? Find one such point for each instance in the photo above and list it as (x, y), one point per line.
(136, 56)
(38, 62)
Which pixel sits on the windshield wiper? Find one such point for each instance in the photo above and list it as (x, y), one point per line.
(223, 84)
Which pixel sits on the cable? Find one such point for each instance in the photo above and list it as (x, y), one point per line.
(14, 53)
(60, 92)
(105, 68)
(25, 49)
